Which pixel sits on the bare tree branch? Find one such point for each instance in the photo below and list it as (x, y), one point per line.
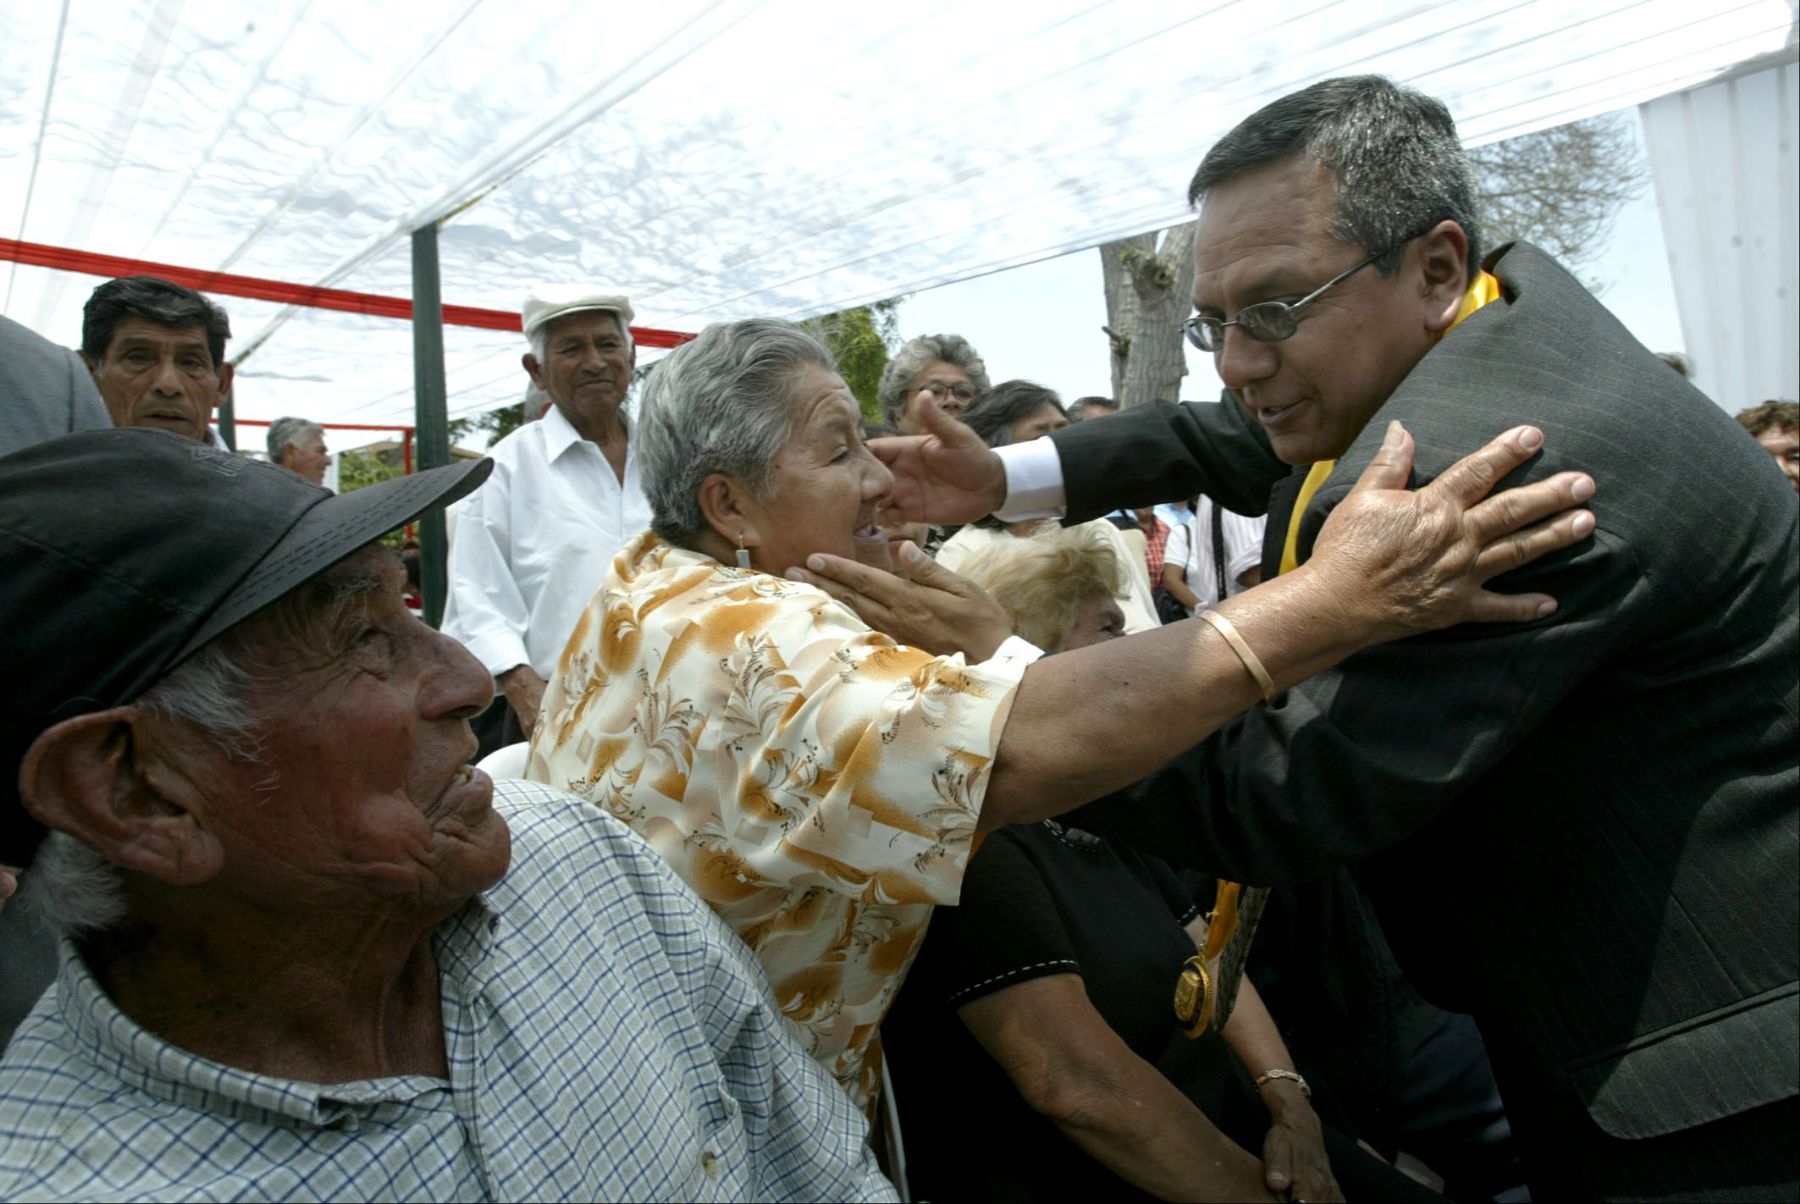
(1560, 188)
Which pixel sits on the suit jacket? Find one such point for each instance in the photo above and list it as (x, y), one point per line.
(1583, 829)
(45, 390)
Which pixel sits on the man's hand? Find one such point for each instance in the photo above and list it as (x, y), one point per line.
(524, 689)
(947, 475)
(1406, 562)
(1295, 1165)
(936, 610)
(9, 882)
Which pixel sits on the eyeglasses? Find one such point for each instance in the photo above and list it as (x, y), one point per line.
(1272, 321)
(965, 392)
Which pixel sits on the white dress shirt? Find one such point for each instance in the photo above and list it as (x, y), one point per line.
(1034, 481)
(1034, 489)
(534, 542)
(1190, 549)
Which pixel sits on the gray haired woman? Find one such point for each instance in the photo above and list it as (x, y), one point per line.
(940, 366)
(820, 784)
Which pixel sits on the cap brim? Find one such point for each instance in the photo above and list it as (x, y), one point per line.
(338, 526)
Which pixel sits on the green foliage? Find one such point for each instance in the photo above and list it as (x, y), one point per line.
(358, 469)
(488, 428)
(861, 339)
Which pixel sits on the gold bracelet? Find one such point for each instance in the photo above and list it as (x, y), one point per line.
(1224, 627)
(1269, 1076)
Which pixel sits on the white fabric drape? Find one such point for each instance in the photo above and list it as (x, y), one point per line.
(1728, 189)
(714, 158)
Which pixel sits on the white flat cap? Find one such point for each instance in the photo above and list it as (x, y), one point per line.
(548, 302)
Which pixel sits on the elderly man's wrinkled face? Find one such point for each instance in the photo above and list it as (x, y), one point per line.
(827, 483)
(587, 367)
(951, 387)
(160, 376)
(362, 797)
(307, 458)
(1265, 236)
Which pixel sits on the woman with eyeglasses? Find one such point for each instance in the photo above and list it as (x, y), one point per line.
(942, 367)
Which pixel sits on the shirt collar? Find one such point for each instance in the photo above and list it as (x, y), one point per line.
(559, 434)
(106, 1038)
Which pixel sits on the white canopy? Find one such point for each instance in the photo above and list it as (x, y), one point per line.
(715, 159)
(1728, 185)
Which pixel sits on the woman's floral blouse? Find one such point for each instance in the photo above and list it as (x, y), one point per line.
(815, 782)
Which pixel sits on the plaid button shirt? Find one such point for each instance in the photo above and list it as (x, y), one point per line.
(608, 1039)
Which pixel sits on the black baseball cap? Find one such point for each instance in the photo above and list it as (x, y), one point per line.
(123, 552)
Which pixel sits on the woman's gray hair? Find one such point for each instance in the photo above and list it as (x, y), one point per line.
(913, 359)
(284, 431)
(721, 403)
(70, 885)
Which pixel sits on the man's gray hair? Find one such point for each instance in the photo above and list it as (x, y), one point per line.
(70, 885)
(540, 338)
(286, 431)
(721, 403)
(1399, 165)
(914, 358)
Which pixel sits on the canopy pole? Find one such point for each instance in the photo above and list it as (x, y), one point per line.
(429, 397)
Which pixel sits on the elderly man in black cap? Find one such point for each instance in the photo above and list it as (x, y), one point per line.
(307, 952)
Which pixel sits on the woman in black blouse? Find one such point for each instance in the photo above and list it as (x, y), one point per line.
(1036, 1051)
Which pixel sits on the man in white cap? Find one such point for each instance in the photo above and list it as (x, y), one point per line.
(532, 546)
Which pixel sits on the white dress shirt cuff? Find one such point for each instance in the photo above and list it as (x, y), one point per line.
(1034, 481)
(1016, 651)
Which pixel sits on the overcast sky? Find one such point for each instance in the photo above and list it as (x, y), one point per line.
(1043, 321)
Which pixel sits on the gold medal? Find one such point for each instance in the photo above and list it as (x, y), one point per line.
(1194, 997)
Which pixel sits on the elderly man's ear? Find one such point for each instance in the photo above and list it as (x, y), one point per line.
(102, 779)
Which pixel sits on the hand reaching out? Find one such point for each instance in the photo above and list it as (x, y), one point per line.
(935, 609)
(947, 475)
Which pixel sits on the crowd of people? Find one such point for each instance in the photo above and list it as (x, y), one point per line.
(1380, 783)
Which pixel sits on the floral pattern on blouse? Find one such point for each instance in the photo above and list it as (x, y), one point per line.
(816, 783)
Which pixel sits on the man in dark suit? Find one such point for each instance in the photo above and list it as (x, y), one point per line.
(45, 391)
(1581, 830)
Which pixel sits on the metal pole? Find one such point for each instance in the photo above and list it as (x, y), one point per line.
(429, 396)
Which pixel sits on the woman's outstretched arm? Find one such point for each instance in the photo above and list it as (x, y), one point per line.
(1389, 563)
